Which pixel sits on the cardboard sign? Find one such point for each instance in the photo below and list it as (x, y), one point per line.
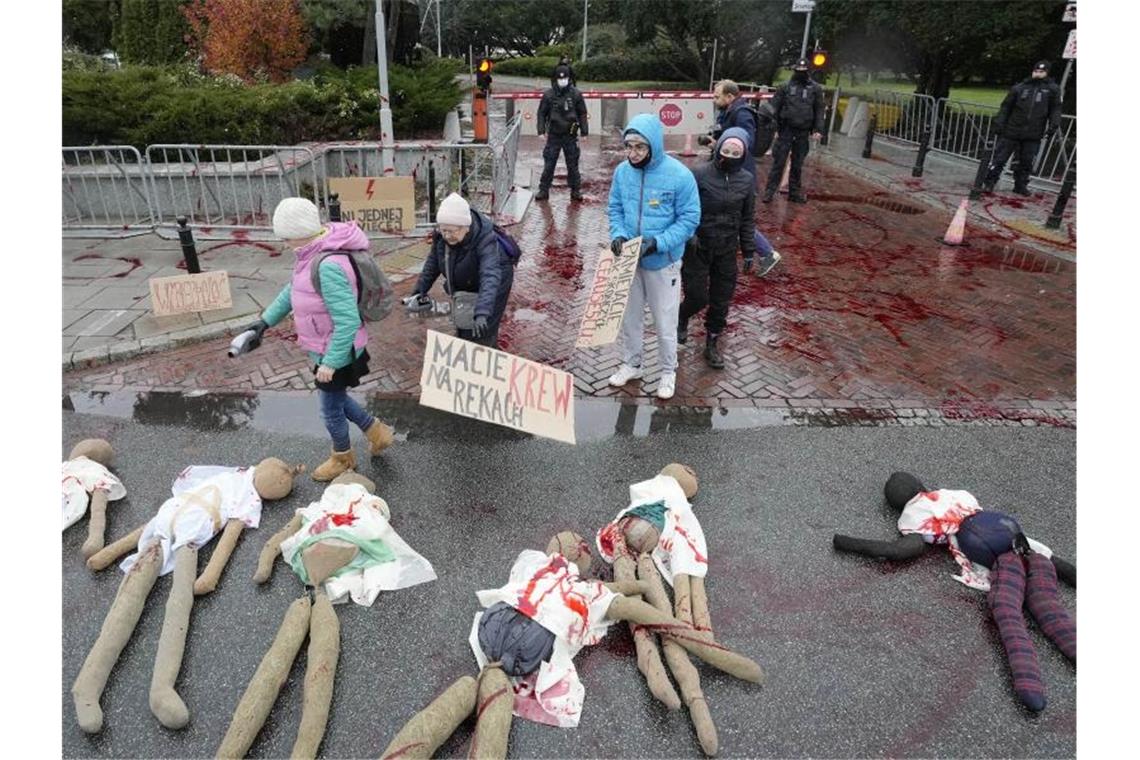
(1071, 45)
(185, 293)
(486, 384)
(377, 204)
(609, 295)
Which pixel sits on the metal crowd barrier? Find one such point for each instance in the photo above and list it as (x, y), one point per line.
(903, 116)
(227, 187)
(105, 188)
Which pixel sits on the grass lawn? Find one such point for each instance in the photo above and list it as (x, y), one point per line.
(986, 96)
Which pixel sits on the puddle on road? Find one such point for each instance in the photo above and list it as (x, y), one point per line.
(289, 414)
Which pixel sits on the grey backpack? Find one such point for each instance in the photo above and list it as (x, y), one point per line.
(375, 295)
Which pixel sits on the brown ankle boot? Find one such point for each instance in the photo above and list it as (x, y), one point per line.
(379, 435)
(337, 463)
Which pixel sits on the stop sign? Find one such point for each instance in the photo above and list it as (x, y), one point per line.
(670, 114)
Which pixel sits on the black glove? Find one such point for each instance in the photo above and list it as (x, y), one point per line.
(260, 326)
(616, 244)
(704, 139)
(480, 327)
(648, 246)
(748, 261)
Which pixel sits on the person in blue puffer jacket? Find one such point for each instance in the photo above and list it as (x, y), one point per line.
(654, 196)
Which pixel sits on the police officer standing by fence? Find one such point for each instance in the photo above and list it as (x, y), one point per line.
(798, 107)
(561, 117)
(1030, 111)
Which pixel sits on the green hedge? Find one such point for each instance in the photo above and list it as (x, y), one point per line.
(140, 105)
(600, 68)
(534, 66)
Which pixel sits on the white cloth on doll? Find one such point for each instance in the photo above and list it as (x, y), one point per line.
(937, 515)
(547, 589)
(348, 512)
(81, 476)
(681, 546)
(205, 499)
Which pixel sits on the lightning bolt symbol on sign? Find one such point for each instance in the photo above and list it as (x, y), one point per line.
(371, 182)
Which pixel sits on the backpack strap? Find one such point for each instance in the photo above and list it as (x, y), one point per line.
(315, 275)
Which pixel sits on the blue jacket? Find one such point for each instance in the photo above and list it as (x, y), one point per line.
(660, 201)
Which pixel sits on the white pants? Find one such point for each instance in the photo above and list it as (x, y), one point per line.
(661, 288)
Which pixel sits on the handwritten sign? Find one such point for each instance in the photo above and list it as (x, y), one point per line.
(185, 293)
(608, 296)
(486, 384)
(377, 204)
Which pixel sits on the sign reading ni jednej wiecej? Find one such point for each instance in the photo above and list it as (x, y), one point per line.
(609, 295)
(486, 384)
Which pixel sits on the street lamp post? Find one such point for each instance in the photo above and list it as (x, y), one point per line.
(585, 24)
(387, 154)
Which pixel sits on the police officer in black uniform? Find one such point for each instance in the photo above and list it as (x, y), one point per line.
(561, 117)
(798, 107)
(1030, 111)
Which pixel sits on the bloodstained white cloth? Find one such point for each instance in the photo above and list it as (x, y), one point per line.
(681, 546)
(937, 516)
(385, 562)
(205, 499)
(81, 476)
(547, 589)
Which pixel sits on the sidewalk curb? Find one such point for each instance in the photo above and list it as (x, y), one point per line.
(853, 167)
(90, 358)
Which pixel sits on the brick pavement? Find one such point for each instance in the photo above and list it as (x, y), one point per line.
(867, 318)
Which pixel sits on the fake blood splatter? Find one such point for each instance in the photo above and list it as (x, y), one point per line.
(135, 264)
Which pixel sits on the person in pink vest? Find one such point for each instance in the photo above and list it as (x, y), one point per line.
(328, 325)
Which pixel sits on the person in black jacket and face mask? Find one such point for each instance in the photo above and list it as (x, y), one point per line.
(798, 108)
(708, 270)
(561, 117)
(1030, 111)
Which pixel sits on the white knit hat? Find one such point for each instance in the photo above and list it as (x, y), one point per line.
(296, 219)
(454, 209)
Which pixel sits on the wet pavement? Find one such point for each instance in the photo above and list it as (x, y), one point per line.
(867, 311)
(863, 658)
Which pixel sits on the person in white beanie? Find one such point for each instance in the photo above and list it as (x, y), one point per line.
(465, 249)
(328, 325)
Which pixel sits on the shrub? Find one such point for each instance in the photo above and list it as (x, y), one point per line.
(532, 66)
(146, 105)
(623, 68)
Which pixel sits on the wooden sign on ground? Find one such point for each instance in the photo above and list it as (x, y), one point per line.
(486, 384)
(609, 295)
(186, 293)
(377, 204)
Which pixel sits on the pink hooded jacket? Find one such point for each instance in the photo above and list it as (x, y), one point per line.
(314, 325)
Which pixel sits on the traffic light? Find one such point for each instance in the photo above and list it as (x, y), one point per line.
(819, 59)
(483, 75)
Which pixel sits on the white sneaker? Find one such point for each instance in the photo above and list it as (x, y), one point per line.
(667, 385)
(624, 374)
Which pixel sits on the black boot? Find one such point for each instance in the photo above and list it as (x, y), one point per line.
(575, 194)
(768, 196)
(1022, 190)
(682, 331)
(797, 196)
(712, 353)
(542, 194)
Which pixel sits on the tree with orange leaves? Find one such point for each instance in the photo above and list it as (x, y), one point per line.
(248, 38)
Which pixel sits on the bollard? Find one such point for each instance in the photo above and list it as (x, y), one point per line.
(334, 207)
(431, 191)
(1054, 221)
(189, 252)
(826, 126)
(983, 168)
(923, 148)
(870, 135)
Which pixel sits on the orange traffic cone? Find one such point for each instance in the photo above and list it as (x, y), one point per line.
(784, 179)
(688, 149)
(956, 232)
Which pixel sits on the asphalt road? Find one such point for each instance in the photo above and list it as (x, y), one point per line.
(863, 658)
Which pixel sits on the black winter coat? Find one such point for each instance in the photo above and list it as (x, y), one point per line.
(738, 114)
(477, 264)
(799, 106)
(560, 109)
(1031, 106)
(728, 205)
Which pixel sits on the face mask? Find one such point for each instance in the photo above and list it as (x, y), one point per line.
(563, 82)
(728, 165)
